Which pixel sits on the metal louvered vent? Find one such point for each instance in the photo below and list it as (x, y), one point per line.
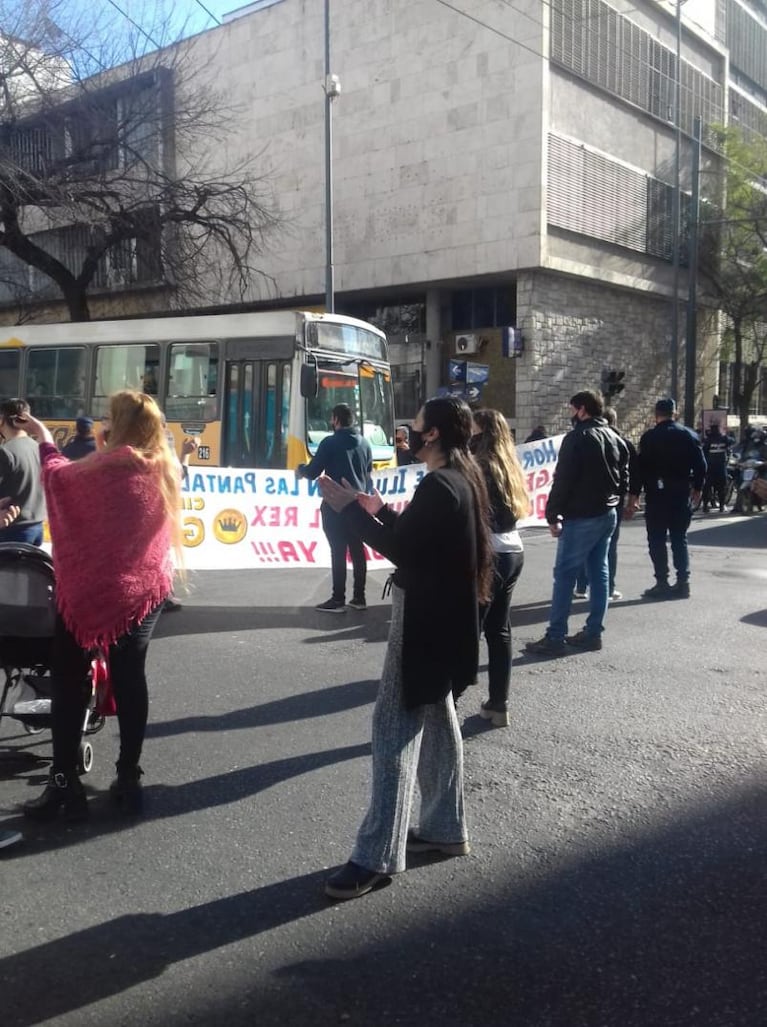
(600, 198)
(591, 39)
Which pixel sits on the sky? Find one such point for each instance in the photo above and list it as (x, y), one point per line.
(93, 34)
(188, 15)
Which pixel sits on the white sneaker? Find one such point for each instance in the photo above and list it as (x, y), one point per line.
(580, 595)
(616, 595)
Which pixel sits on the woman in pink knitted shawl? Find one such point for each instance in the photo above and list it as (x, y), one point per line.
(113, 519)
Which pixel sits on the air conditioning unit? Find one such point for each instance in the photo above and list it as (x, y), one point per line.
(467, 344)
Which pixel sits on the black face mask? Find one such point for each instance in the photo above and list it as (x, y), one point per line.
(475, 442)
(574, 420)
(416, 441)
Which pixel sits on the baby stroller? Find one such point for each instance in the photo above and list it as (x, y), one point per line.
(27, 620)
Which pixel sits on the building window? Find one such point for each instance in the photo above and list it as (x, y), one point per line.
(758, 405)
(395, 320)
(590, 39)
(37, 148)
(407, 381)
(746, 39)
(593, 195)
(491, 307)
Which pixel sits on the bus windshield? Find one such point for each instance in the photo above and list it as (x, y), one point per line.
(364, 388)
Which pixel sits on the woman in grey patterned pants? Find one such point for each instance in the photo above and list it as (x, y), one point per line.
(423, 743)
(440, 546)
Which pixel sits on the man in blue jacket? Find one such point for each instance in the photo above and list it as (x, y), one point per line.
(84, 441)
(671, 464)
(582, 511)
(344, 455)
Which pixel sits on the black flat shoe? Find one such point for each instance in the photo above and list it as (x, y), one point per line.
(352, 881)
(127, 792)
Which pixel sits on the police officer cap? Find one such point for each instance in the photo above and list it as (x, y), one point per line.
(665, 407)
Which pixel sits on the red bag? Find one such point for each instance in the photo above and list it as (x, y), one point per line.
(104, 705)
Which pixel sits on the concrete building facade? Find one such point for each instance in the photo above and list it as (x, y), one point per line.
(495, 166)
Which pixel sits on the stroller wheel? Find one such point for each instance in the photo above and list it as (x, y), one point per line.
(85, 758)
(33, 729)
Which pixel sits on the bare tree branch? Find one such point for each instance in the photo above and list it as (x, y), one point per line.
(103, 178)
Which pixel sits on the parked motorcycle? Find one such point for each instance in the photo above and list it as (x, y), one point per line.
(709, 497)
(751, 463)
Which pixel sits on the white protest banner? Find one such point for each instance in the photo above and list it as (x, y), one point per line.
(239, 519)
(539, 460)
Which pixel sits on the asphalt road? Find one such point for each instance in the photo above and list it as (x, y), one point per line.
(618, 874)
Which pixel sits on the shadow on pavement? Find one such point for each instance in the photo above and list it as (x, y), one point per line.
(372, 625)
(758, 619)
(746, 533)
(665, 930)
(163, 801)
(318, 703)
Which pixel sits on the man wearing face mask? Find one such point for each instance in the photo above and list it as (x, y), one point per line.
(343, 456)
(592, 474)
(20, 478)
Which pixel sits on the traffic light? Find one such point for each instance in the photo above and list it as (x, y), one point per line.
(612, 384)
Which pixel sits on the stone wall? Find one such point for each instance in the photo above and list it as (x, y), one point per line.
(574, 330)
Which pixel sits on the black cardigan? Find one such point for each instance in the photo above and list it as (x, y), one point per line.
(433, 545)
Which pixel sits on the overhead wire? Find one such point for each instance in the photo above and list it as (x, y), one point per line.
(135, 24)
(208, 12)
(555, 8)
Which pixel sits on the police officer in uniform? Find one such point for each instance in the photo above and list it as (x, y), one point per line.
(671, 462)
(716, 449)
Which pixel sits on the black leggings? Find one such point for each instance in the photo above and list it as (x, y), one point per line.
(70, 674)
(496, 625)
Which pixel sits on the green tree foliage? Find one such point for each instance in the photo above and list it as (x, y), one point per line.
(733, 256)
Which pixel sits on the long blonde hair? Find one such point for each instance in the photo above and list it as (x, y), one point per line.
(137, 421)
(496, 451)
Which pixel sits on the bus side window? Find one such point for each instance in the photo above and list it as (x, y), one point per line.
(123, 367)
(192, 381)
(55, 382)
(9, 373)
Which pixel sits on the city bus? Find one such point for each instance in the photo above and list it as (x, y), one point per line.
(254, 390)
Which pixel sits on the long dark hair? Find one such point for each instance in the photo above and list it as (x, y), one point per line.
(453, 419)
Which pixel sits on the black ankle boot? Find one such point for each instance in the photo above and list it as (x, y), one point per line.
(63, 792)
(126, 789)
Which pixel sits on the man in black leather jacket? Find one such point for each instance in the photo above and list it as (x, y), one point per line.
(582, 512)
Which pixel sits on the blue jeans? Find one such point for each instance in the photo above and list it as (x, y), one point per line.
(582, 581)
(29, 533)
(584, 540)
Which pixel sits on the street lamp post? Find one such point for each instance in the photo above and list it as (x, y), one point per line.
(676, 206)
(332, 90)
